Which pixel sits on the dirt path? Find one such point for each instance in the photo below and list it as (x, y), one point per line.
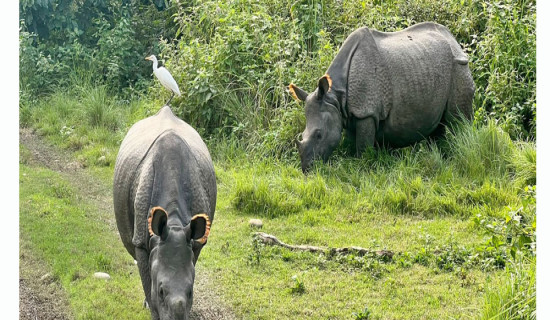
(40, 296)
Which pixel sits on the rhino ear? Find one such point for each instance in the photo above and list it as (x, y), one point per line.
(157, 222)
(200, 228)
(297, 93)
(325, 83)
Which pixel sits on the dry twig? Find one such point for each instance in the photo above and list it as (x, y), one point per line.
(273, 241)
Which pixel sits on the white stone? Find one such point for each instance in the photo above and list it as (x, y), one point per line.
(45, 277)
(257, 223)
(102, 275)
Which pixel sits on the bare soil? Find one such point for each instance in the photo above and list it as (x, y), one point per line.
(41, 296)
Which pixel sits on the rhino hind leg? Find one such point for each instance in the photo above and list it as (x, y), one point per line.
(459, 104)
(365, 134)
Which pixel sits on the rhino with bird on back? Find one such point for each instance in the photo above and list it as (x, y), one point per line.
(164, 200)
(386, 88)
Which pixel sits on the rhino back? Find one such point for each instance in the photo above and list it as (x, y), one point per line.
(141, 150)
(419, 62)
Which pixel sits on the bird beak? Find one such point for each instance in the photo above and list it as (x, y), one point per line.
(148, 58)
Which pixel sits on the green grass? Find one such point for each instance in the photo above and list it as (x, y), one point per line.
(417, 201)
(75, 240)
(515, 297)
(319, 210)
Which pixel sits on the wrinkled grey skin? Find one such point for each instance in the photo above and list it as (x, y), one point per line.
(387, 88)
(163, 162)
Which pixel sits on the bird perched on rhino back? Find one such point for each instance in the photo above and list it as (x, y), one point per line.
(164, 77)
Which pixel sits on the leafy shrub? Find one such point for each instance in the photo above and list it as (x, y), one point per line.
(505, 65)
(106, 39)
(517, 232)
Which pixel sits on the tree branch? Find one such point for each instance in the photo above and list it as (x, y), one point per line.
(273, 241)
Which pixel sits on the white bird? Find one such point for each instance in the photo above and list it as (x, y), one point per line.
(164, 77)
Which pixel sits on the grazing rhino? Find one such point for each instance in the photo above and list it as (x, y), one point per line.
(388, 88)
(164, 199)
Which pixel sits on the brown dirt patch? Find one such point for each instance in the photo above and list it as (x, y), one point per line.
(40, 295)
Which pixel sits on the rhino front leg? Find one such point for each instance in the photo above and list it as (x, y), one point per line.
(142, 258)
(365, 133)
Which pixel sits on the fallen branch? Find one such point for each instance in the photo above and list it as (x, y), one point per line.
(273, 241)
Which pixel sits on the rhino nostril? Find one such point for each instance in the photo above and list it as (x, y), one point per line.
(161, 293)
(179, 305)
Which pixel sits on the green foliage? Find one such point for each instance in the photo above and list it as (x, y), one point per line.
(505, 69)
(107, 39)
(298, 286)
(255, 255)
(517, 231)
(516, 234)
(516, 298)
(236, 59)
(363, 315)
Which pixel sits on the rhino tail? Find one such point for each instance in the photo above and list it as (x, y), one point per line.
(461, 60)
(458, 54)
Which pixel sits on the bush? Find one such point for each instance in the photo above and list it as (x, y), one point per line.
(235, 60)
(504, 68)
(105, 39)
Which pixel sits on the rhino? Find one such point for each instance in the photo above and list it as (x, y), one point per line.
(164, 195)
(386, 89)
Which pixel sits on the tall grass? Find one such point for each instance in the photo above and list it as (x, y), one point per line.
(472, 175)
(86, 118)
(516, 298)
(482, 150)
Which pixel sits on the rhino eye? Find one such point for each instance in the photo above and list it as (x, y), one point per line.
(318, 134)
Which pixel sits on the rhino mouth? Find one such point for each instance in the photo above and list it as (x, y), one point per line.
(306, 167)
(306, 164)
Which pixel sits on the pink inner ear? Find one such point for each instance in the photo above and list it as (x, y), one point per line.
(329, 80)
(150, 219)
(292, 92)
(203, 239)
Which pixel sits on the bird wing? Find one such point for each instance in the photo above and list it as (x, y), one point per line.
(167, 80)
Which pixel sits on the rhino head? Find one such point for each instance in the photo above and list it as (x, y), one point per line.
(172, 262)
(323, 122)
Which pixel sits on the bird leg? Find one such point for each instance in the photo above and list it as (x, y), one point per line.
(167, 103)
